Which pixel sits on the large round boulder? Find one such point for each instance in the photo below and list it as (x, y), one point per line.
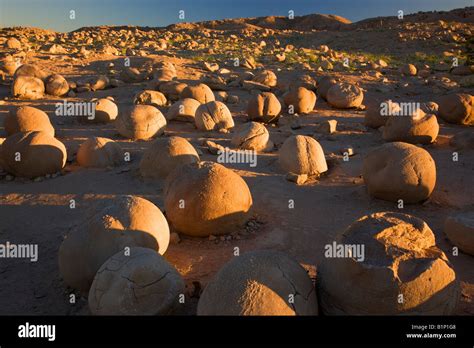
(377, 114)
(105, 111)
(418, 128)
(201, 92)
(457, 108)
(302, 100)
(27, 87)
(166, 154)
(28, 119)
(213, 116)
(264, 107)
(33, 154)
(252, 136)
(345, 95)
(301, 154)
(206, 198)
(125, 222)
(266, 77)
(99, 152)
(172, 89)
(387, 264)
(139, 283)
(183, 110)
(399, 170)
(56, 85)
(149, 97)
(140, 122)
(259, 283)
(324, 84)
(31, 70)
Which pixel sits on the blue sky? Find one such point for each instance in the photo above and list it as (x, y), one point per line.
(54, 14)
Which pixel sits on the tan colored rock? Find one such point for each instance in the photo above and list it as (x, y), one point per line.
(459, 229)
(100, 152)
(266, 77)
(56, 85)
(172, 89)
(99, 83)
(345, 96)
(206, 198)
(259, 283)
(457, 108)
(252, 136)
(149, 97)
(264, 107)
(9, 65)
(33, 154)
(400, 261)
(301, 99)
(377, 114)
(183, 110)
(142, 283)
(399, 170)
(201, 92)
(166, 154)
(105, 111)
(132, 75)
(417, 129)
(301, 154)
(213, 116)
(408, 69)
(13, 43)
(31, 70)
(27, 87)
(27, 119)
(125, 222)
(140, 122)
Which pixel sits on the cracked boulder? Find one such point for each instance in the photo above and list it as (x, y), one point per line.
(392, 267)
(301, 99)
(252, 136)
(259, 283)
(141, 283)
(140, 122)
(33, 154)
(264, 107)
(183, 110)
(206, 198)
(214, 115)
(418, 128)
(27, 87)
(301, 154)
(459, 229)
(28, 119)
(345, 95)
(457, 108)
(98, 152)
(110, 227)
(201, 92)
(399, 170)
(166, 154)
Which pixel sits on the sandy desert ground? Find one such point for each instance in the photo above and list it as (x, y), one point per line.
(37, 211)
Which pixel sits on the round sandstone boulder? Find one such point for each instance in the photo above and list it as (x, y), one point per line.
(99, 152)
(140, 122)
(399, 170)
(258, 283)
(183, 110)
(457, 108)
(252, 136)
(264, 107)
(28, 119)
(301, 154)
(213, 116)
(56, 85)
(201, 92)
(301, 99)
(345, 96)
(27, 87)
(387, 264)
(206, 198)
(141, 283)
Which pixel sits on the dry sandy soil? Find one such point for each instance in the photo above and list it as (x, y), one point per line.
(38, 211)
